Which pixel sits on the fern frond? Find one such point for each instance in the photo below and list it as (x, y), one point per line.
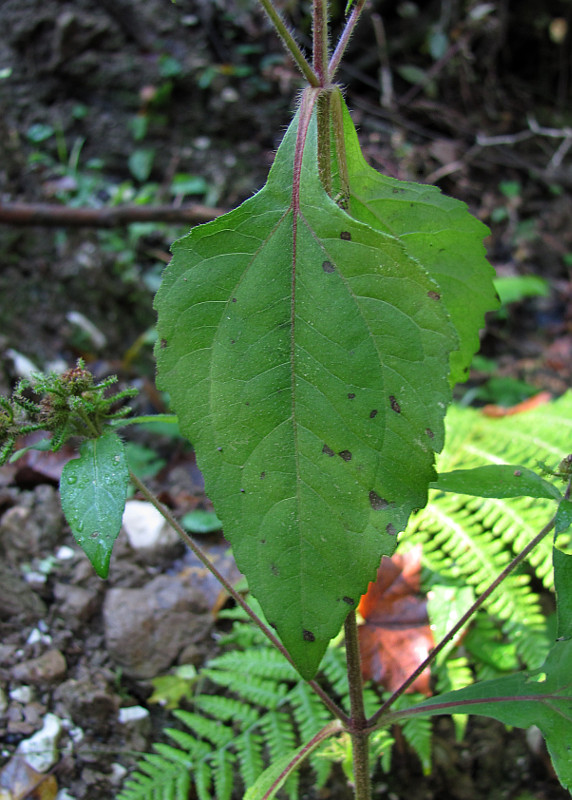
(157, 778)
(473, 539)
(265, 693)
(249, 753)
(212, 730)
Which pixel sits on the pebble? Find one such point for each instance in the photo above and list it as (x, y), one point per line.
(40, 750)
(146, 529)
(75, 603)
(23, 694)
(49, 667)
(147, 628)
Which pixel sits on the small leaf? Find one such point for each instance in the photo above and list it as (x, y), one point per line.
(201, 521)
(563, 585)
(496, 480)
(273, 778)
(542, 697)
(93, 489)
(141, 163)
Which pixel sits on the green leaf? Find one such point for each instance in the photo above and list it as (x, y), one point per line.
(201, 521)
(496, 480)
(306, 359)
(542, 697)
(93, 489)
(563, 585)
(437, 231)
(273, 778)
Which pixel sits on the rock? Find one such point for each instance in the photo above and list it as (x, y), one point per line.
(40, 750)
(148, 533)
(91, 706)
(49, 667)
(33, 526)
(76, 604)
(147, 628)
(18, 602)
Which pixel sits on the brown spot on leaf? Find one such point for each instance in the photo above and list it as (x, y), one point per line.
(429, 433)
(232, 341)
(433, 295)
(274, 569)
(346, 236)
(394, 404)
(351, 396)
(348, 600)
(328, 450)
(327, 266)
(308, 636)
(163, 343)
(373, 413)
(390, 529)
(517, 473)
(345, 454)
(234, 299)
(377, 502)
(262, 476)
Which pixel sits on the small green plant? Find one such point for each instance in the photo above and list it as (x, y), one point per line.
(309, 341)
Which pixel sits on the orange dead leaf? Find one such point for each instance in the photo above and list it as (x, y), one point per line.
(539, 399)
(396, 636)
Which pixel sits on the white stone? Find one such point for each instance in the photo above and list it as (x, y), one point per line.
(22, 694)
(40, 751)
(132, 715)
(65, 553)
(145, 527)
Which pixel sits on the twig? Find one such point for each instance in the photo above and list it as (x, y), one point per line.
(62, 216)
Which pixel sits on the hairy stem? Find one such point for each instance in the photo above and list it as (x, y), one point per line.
(320, 40)
(290, 43)
(372, 723)
(324, 143)
(237, 597)
(345, 37)
(358, 722)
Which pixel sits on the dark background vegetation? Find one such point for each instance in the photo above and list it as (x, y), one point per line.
(115, 101)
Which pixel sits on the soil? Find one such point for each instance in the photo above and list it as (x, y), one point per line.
(202, 89)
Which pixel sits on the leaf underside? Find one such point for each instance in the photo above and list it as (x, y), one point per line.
(307, 357)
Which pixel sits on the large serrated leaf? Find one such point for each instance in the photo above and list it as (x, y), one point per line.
(93, 489)
(306, 355)
(436, 230)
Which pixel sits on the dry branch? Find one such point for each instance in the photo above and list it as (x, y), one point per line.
(62, 216)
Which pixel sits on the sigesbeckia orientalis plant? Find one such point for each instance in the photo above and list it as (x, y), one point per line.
(309, 341)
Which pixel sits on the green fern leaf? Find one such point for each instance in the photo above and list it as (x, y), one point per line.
(249, 752)
(223, 768)
(208, 729)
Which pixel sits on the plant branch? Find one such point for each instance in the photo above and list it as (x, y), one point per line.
(58, 216)
(358, 733)
(372, 722)
(237, 597)
(345, 38)
(290, 43)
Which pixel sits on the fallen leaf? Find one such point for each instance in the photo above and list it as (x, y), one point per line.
(395, 637)
(539, 399)
(19, 781)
